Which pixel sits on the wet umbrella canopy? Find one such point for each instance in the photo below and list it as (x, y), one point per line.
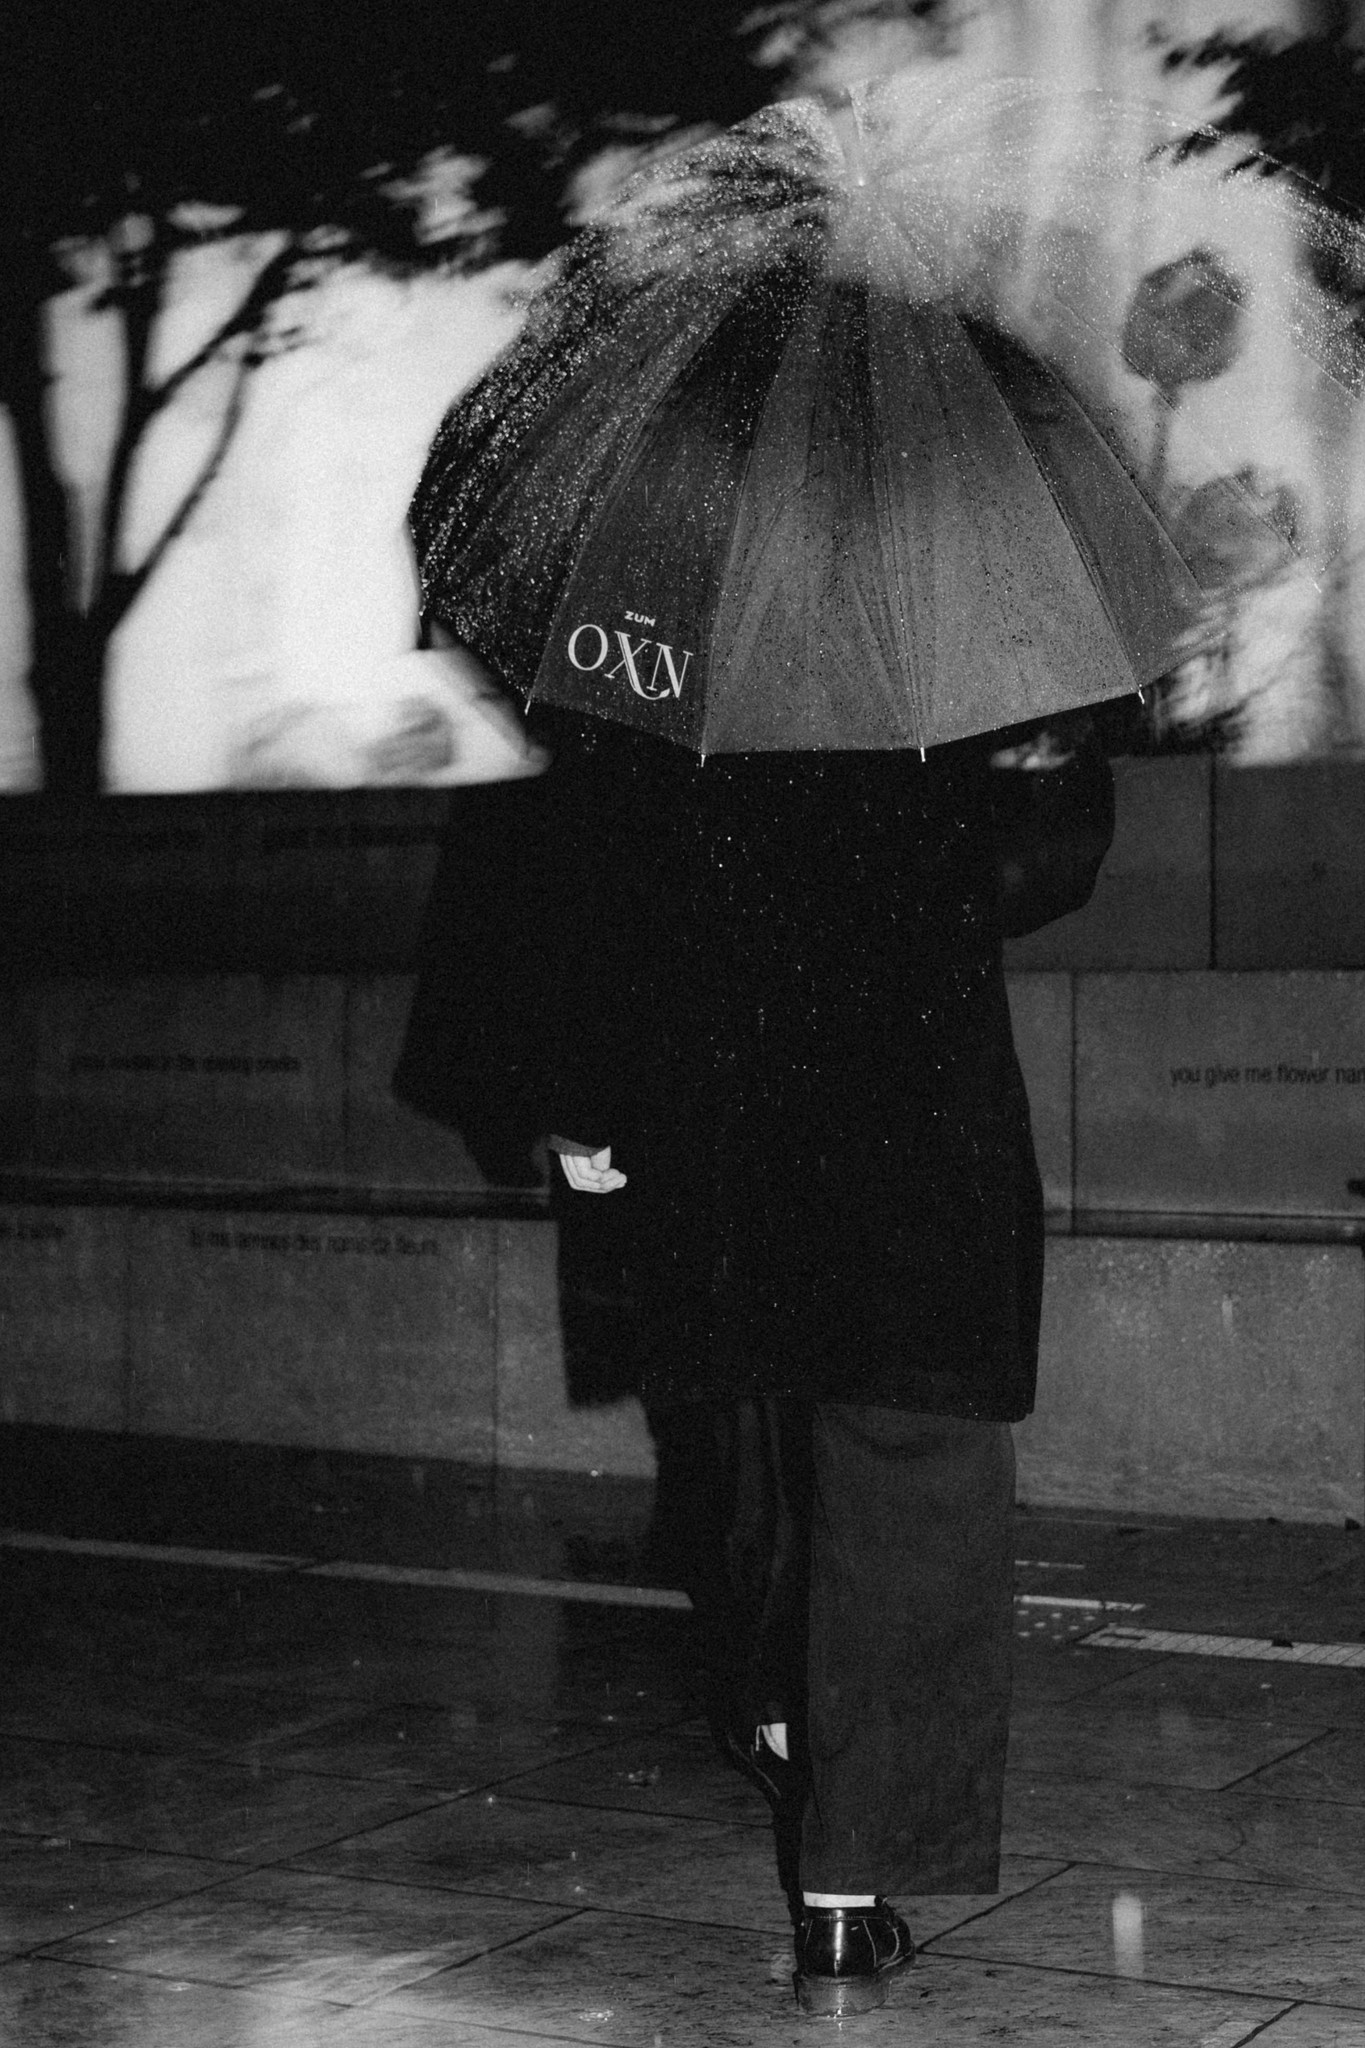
(767, 470)
(918, 536)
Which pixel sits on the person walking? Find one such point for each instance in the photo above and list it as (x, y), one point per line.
(757, 1006)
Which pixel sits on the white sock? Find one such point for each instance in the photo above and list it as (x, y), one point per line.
(774, 1733)
(839, 1898)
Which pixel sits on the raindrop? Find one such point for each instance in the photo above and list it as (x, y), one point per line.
(1127, 1915)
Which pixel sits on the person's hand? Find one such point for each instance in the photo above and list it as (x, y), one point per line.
(592, 1173)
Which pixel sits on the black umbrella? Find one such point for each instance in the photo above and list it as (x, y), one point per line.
(764, 472)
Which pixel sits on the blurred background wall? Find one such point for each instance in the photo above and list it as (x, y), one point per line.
(243, 293)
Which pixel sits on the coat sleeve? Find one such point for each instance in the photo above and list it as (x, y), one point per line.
(518, 1005)
(1053, 827)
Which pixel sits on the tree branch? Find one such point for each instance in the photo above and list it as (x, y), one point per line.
(143, 401)
(133, 581)
(265, 288)
(139, 294)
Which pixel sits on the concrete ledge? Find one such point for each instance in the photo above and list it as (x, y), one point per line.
(232, 882)
(1200, 1379)
(163, 1077)
(1152, 903)
(1211, 866)
(341, 1333)
(1286, 864)
(241, 1082)
(63, 1316)
(1041, 1012)
(1178, 1376)
(1243, 1093)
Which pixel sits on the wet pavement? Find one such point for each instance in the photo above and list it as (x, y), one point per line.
(248, 1805)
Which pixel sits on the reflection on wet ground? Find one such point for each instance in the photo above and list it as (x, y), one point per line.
(253, 1807)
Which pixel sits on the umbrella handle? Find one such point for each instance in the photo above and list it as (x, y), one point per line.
(843, 118)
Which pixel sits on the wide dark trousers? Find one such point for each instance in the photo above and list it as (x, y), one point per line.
(867, 1570)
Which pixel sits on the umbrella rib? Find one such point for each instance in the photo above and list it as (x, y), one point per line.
(914, 728)
(909, 729)
(1079, 537)
(771, 512)
(761, 540)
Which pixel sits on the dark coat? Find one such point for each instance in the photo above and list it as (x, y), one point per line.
(773, 984)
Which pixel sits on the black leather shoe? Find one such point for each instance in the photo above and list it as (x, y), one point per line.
(844, 1955)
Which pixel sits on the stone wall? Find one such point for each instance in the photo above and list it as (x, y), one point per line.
(215, 1221)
